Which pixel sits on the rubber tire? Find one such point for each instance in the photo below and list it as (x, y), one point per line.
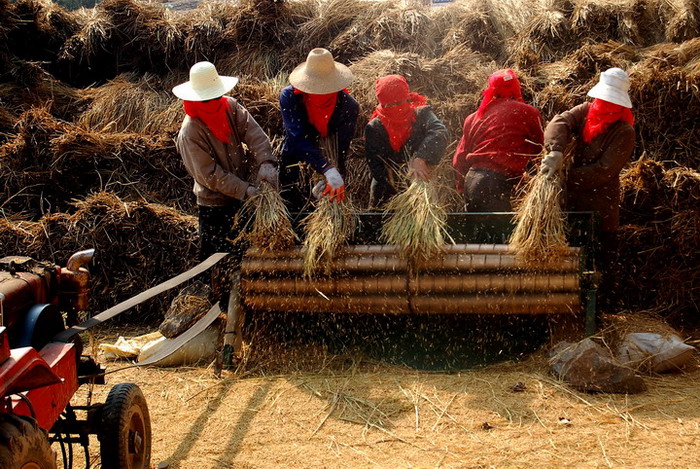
(23, 444)
(125, 406)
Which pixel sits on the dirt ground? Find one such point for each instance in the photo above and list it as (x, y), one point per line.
(348, 411)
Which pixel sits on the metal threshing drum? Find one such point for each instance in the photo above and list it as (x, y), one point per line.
(465, 279)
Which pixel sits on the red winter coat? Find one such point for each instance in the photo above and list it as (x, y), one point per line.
(504, 140)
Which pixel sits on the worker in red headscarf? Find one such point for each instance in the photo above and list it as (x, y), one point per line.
(402, 131)
(604, 139)
(210, 142)
(498, 142)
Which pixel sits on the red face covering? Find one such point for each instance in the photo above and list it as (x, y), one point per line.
(601, 115)
(213, 114)
(396, 108)
(503, 84)
(320, 108)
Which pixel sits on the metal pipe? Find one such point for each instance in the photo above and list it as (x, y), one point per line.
(377, 285)
(79, 259)
(557, 303)
(319, 304)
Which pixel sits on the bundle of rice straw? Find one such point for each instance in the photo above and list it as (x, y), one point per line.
(540, 233)
(269, 228)
(325, 230)
(418, 224)
(331, 224)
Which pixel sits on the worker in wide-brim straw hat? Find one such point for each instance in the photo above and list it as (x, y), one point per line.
(604, 140)
(210, 142)
(319, 117)
(498, 142)
(403, 136)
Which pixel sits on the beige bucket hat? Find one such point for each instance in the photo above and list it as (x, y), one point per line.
(613, 87)
(205, 83)
(320, 74)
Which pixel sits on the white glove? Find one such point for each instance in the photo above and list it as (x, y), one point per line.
(335, 186)
(251, 191)
(317, 190)
(552, 163)
(333, 178)
(268, 172)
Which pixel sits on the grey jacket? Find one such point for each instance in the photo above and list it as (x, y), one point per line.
(221, 171)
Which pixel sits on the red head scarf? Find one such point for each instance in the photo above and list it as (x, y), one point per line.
(319, 108)
(502, 84)
(213, 114)
(396, 108)
(600, 115)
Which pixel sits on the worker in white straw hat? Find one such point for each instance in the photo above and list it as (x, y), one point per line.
(210, 143)
(319, 118)
(605, 137)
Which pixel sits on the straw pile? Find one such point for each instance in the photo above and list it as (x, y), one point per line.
(661, 216)
(540, 231)
(268, 225)
(326, 230)
(417, 221)
(138, 245)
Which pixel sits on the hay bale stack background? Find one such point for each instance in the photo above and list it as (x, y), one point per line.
(85, 103)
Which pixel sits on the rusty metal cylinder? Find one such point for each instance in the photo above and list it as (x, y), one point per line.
(468, 278)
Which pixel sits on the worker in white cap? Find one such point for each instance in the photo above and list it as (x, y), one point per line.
(319, 118)
(210, 143)
(604, 134)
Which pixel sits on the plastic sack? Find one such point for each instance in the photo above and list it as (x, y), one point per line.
(654, 352)
(200, 348)
(128, 348)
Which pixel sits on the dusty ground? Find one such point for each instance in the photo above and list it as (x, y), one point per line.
(345, 411)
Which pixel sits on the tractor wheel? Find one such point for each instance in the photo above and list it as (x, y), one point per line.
(125, 429)
(23, 445)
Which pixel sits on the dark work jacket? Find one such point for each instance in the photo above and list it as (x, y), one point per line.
(593, 179)
(428, 140)
(301, 139)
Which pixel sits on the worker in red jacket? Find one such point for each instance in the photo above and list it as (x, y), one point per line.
(498, 142)
(604, 140)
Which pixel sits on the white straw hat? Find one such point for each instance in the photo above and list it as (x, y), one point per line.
(205, 83)
(613, 87)
(320, 74)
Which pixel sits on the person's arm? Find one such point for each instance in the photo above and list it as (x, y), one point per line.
(253, 136)
(433, 146)
(299, 131)
(459, 161)
(563, 127)
(349, 112)
(375, 152)
(196, 155)
(608, 166)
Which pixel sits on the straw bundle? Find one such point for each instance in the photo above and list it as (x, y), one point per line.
(326, 230)
(268, 224)
(417, 222)
(685, 22)
(540, 232)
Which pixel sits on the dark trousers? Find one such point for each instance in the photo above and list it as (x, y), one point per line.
(216, 235)
(488, 191)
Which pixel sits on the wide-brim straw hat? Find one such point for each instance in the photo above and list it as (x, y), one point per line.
(613, 87)
(205, 83)
(320, 74)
